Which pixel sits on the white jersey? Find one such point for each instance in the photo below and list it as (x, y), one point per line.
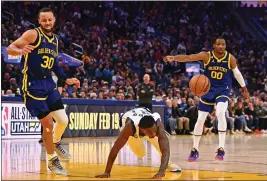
(135, 115)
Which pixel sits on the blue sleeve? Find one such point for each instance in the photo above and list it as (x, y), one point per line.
(59, 71)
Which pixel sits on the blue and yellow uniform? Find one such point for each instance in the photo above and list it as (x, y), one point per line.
(38, 88)
(220, 75)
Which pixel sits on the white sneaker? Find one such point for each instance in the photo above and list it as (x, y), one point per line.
(237, 131)
(247, 130)
(263, 131)
(173, 167)
(232, 132)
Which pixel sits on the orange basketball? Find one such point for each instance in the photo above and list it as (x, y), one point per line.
(199, 85)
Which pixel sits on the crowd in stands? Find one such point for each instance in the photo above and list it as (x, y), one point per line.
(124, 40)
(257, 10)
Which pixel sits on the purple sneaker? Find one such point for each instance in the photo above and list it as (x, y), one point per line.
(193, 155)
(220, 154)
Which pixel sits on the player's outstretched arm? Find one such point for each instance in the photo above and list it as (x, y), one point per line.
(22, 45)
(202, 56)
(239, 77)
(119, 143)
(165, 150)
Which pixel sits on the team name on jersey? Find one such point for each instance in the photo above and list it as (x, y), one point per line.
(47, 51)
(218, 68)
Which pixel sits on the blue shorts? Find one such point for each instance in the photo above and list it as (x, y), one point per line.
(215, 95)
(40, 95)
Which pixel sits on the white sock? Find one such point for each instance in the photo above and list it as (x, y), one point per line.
(199, 127)
(196, 142)
(222, 124)
(222, 139)
(50, 156)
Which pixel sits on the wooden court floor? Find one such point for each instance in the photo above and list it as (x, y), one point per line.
(246, 159)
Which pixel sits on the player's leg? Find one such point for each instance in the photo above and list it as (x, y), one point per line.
(222, 105)
(47, 123)
(154, 141)
(137, 146)
(61, 121)
(39, 109)
(204, 108)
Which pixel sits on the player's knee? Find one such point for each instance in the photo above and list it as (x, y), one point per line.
(221, 109)
(47, 124)
(202, 116)
(220, 113)
(60, 117)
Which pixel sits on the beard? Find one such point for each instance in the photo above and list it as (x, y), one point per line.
(47, 30)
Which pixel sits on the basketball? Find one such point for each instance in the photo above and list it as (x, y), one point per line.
(199, 85)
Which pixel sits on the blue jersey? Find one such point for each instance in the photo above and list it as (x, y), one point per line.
(219, 71)
(38, 88)
(39, 63)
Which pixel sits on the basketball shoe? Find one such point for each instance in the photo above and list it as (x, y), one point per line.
(193, 155)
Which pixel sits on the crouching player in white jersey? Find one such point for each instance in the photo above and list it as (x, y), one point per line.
(136, 125)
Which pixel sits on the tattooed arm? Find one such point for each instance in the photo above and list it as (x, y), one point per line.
(165, 150)
(119, 143)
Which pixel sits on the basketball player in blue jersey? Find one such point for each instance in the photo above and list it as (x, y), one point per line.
(220, 67)
(39, 49)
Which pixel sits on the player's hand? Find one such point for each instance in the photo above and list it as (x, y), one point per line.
(104, 175)
(168, 58)
(246, 96)
(26, 49)
(159, 175)
(73, 81)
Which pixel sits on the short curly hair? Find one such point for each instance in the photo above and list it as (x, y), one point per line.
(146, 122)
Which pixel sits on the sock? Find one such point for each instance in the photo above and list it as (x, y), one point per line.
(222, 139)
(199, 128)
(196, 141)
(50, 156)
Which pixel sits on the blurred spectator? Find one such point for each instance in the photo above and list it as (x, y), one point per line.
(183, 122)
(231, 121)
(253, 120)
(239, 113)
(192, 114)
(171, 121)
(261, 113)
